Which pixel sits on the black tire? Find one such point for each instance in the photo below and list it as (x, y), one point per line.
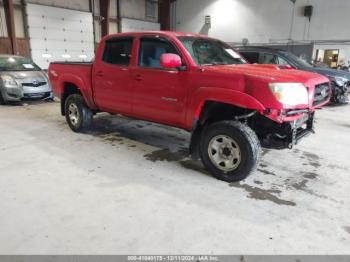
(83, 113)
(340, 95)
(246, 142)
(2, 100)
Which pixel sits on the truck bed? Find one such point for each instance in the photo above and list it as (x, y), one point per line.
(74, 73)
(72, 63)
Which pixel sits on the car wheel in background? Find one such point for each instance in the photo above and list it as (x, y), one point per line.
(2, 100)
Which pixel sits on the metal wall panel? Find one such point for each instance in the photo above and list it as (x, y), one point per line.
(58, 34)
(132, 25)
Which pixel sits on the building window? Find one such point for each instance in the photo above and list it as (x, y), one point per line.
(151, 8)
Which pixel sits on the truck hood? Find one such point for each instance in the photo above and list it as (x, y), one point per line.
(269, 73)
(254, 80)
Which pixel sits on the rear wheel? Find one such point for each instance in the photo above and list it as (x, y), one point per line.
(230, 150)
(2, 100)
(78, 115)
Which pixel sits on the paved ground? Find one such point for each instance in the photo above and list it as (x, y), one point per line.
(128, 188)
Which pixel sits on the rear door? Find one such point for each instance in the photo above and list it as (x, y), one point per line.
(160, 94)
(111, 76)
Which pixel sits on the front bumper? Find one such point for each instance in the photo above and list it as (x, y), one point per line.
(299, 129)
(284, 135)
(16, 94)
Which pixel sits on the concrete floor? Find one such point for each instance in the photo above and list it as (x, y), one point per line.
(128, 188)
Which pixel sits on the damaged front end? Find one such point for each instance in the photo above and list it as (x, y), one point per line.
(340, 92)
(284, 128)
(287, 134)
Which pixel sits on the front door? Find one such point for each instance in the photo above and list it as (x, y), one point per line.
(160, 94)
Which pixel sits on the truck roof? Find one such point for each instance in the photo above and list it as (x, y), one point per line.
(164, 33)
(259, 48)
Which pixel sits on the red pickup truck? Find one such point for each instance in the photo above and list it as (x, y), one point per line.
(199, 84)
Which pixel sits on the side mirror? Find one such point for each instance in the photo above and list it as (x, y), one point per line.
(170, 61)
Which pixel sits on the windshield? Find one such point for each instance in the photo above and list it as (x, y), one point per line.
(211, 52)
(296, 59)
(17, 64)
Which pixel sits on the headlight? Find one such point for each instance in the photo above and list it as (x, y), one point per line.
(290, 93)
(8, 81)
(340, 81)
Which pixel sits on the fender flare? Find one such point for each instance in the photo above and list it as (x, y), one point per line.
(215, 94)
(84, 88)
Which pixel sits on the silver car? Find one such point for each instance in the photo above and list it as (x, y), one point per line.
(21, 79)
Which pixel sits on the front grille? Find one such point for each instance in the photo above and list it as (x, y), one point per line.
(35, 84)
(42, 95)
(322, 93)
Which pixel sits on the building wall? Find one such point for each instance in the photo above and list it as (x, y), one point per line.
(3, 27)
(136, 9)
(80, 5)
(265, 21)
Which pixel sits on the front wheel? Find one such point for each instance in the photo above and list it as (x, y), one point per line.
(2, 100)
(229, 150)
(78, 115)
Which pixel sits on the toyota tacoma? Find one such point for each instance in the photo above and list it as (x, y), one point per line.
(198, 84)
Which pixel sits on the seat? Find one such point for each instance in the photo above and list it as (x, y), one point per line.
(154, 61)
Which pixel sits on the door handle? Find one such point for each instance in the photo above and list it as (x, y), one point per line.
(138, 77)
(99, 73)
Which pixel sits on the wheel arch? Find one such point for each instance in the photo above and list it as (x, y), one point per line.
(232, 98)
(72, 84)
(215, 105)
(68, 88)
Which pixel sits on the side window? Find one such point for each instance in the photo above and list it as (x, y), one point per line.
(151, 49)
(251, 57)
(118, 51)
(266, 58)
(282, 61)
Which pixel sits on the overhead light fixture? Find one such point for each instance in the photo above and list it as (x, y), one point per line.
(46, 55)
(65, 56)
(83, 56)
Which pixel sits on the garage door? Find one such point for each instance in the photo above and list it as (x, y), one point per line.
(58, 34)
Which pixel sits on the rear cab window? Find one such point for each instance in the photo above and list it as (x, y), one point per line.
(118, 51)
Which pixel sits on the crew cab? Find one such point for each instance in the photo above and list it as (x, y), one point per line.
(198, 84)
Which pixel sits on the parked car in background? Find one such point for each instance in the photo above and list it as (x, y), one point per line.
(198, 84)
(21, 78)
(340, 79)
